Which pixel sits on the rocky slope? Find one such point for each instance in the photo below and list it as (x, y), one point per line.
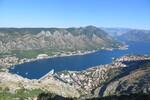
(87, 38)
(13, 82)
(137, 36)
(133, 79)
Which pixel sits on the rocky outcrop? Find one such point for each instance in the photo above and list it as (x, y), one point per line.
(15, 82)
(87, 38)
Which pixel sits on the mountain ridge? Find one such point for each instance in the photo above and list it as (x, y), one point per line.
(115, 32)
(136, 36)
(87, 38)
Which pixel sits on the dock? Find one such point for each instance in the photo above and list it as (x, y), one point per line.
(49, 74)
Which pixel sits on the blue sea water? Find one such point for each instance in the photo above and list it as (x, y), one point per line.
(37, 69)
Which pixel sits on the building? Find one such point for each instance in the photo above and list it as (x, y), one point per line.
(41, 56)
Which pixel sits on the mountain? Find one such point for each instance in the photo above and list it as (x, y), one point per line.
(133, 79)
(115, 32)
(55, 39)
(137, 36)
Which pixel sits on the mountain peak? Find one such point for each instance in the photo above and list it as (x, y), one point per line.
(91, 27)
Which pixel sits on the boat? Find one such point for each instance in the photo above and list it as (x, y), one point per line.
(26, 73)
(113, 58)
(17, 72)
(13, 67)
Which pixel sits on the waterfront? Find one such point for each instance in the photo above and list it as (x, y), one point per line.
(36, 69)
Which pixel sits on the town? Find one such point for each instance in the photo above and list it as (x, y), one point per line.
(10, 60)
(96, 76)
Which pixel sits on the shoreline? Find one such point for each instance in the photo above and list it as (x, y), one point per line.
(8, 66)
(35, 59)
(65, 55)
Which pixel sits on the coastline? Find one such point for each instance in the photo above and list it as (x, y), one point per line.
(66, 55)
(6, 68)
(54, 56)
(25, 60)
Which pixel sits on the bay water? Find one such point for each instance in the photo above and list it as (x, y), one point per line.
(38, 68)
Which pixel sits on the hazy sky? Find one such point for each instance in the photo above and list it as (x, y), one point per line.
(75, 13)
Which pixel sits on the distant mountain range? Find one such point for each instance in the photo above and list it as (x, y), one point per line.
(67, 39)
(115, 32)
(83, 38)
(136, 36)
(128, 34)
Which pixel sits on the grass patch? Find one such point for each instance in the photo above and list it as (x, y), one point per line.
(20, 94)
(32, 53)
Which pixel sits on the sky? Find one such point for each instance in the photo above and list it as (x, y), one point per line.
(75, 13)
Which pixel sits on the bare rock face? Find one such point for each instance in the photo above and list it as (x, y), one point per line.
(87, 38)
(3, 49)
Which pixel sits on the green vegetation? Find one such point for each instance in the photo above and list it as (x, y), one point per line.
(6, 89)
(24, 31)
(65, 72)
(21, 94)
(111, 74)
(32, 53)
(3, 54)
(136, 96)
(1, 69)
(52, 96)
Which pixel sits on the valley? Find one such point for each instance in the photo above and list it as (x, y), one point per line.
(19, 45)
(88, 83)
(74, 50)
